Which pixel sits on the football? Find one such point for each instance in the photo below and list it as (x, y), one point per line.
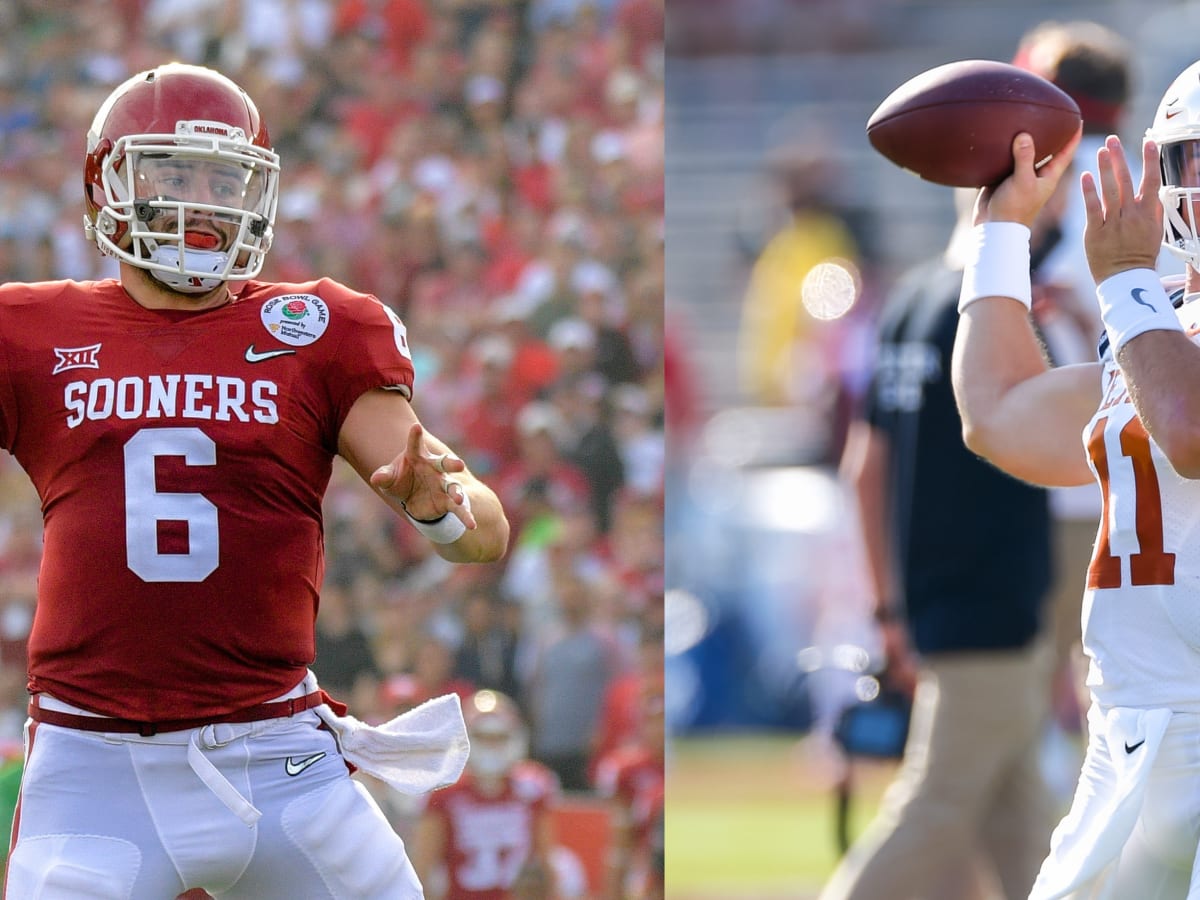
(954, 124)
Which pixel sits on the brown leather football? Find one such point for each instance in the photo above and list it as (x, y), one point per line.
(954, 124)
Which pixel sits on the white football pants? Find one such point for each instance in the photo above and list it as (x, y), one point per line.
(1134, 826)
(124, 817)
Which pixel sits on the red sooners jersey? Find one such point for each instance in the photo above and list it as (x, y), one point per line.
(181, 459)
(489, 838)
(634, 777)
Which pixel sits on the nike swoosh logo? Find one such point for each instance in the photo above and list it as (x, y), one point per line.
(1136, 294)
(296, 766)
(1129, 748)
(255, 356)
(1172, 113)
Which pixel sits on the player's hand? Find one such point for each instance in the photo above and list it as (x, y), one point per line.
(1124, 228)
(424, 481)
(1021, 196)
(900, 671)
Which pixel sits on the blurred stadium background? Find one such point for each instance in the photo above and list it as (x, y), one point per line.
(492, 170)
(767, 633)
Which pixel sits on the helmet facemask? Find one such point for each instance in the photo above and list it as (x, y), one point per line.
(193, 208)
(1180, 197)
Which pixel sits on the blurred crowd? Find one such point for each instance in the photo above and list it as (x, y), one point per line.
(493, 171)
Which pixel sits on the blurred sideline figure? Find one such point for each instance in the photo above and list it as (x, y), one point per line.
(478, 838)
(963, 627)
(633, 778)
(780, 355)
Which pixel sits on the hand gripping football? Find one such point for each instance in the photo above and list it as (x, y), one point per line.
(954, 124)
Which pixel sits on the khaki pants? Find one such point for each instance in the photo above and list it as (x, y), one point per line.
(1073, 543)
(969, 786)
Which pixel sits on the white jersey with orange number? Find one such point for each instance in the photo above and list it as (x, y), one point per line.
(1141, 608)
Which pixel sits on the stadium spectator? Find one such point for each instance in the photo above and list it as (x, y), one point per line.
(534, 364)
(542, 468)
(590, 443)
(432, 674)
(570, 671)
(343, 646)
(487, 653)
(621, 713)
(638, 430)
(487, 416)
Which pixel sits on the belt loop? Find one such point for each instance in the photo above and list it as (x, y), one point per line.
(147, 729)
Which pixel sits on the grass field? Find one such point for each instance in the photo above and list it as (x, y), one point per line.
(753, 816)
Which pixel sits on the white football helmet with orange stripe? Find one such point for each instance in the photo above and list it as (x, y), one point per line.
(1176, 131)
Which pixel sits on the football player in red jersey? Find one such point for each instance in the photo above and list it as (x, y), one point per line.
(481, 832)
(633, 777)
(180, 425)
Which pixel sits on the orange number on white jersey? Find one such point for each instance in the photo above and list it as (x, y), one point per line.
(1151, 564)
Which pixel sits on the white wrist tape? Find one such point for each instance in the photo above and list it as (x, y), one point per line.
(1134, 302)
(997, 264)
(445, 530)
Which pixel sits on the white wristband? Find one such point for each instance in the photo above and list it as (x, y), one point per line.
(446, 530)
(997, 264)
(1134, 302)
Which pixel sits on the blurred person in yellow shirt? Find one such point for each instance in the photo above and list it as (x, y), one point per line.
(806, 274)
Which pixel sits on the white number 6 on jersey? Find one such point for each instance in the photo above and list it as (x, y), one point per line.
(145, 507)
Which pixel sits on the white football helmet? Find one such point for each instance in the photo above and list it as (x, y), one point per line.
(1176, 131)
(178, 159)
(497, 733)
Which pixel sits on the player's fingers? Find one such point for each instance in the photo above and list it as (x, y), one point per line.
(1091, 199)
(1120, 168)
(1151, 172)
(448, 463)
(415, 436)
(1061, 160)
(385, 476)
(1110, 191)
(1023, 150)
(458, 496)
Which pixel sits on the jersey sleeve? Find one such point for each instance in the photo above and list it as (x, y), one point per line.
(9, 304)
(372, 352)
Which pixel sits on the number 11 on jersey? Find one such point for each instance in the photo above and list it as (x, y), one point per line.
(1150, 564)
